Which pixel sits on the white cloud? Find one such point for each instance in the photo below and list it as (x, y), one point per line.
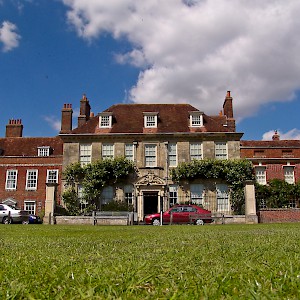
(53, 122)
(196, 50)
(293, 134)
(8, 36)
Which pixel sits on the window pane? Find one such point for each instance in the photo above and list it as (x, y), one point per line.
(172, 155)
(107, 194)
(129, 150)
(31, 179)
(128, 193)
(222, 198)
(150, 155)
(173, 194)
(43, 151)
(260, 174)
(289, 174)
(11, 179)
(85, 154)
(197, 191)
(30, 207)
(107, 151)
(150, 121)
(105, 121)
(221, 150)
(196, 120)
(52, 176)
(195, 151)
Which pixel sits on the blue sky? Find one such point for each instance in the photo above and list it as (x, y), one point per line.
(191, 51)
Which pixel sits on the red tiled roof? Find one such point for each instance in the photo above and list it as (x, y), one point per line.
(129, 118)
(271, 144)
(22, 146)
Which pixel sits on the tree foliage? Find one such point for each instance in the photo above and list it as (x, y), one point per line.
(278, 193)
(234, 172)
(93, 178)
(70, 198)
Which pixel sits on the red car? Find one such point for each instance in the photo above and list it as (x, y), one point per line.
(181, 214)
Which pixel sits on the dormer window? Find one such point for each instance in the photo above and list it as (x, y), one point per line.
(150, 119)
(44, 151)
(105, 120)
(196, 119)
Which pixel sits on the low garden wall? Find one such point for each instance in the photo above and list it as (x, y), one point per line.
(229, 219)
(98, 218)
(279, 215)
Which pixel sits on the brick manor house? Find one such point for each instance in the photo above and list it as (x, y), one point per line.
(156, 137)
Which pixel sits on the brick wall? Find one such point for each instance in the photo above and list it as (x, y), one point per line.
(279, 215)
(42, 164)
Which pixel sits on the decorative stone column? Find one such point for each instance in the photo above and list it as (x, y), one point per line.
(49, 202)
(250, 203)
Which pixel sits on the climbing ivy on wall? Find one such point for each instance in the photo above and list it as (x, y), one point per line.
(234, 172)
(93, 178)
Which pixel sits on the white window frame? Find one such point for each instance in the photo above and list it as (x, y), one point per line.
(196, 151)
(222, 194)
(50, 177)
(30, 206)
(196, 119)
(44, 151)
(105, 120)
(31, 180)
(197, 191)
(85, 154)
(261, 175)
(82, 202)
(129, 151)
(11, 179)
(172, 154)
(128, 194)
(107, 151)
(150, 119)
(150, 155)
(289, 174)
(221, 150)
(173, 194)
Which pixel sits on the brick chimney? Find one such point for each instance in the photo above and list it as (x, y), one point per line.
(66, 118)
(85, 110)
(228, 112)
(14, 128)
(276, 136)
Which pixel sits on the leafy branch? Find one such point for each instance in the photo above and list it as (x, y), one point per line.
(234, 172)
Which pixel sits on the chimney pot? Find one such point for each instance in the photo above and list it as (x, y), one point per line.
(276, 136)
(14, 128)
(66, 118)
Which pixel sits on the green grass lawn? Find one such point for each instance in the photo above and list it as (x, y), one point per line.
(149, 262)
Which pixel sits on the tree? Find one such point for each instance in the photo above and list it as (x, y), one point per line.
(277, 194)
(234, 172)
(94, 177)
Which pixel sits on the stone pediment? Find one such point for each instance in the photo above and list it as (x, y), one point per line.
(150, 179)
(9, 201)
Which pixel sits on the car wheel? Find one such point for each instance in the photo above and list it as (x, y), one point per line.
(199, 222)
(156, 222)
(5, 220)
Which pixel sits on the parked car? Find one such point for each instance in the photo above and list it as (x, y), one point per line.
(181, 214)
(34, 219)
(10, 214)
